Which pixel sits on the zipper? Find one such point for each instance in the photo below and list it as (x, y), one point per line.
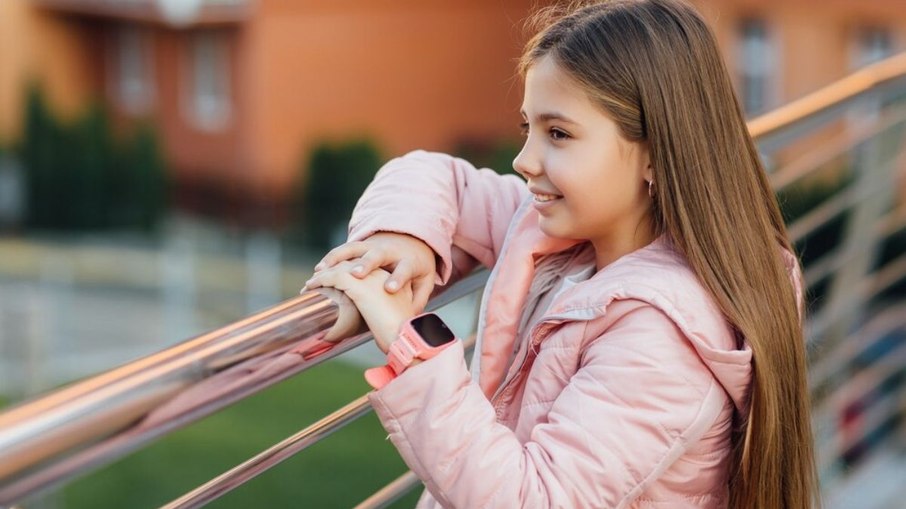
(537, 336)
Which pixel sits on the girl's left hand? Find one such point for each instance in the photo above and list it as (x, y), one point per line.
(383, 312)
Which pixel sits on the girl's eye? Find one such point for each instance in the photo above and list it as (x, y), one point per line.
(555, 133)
(558, 135)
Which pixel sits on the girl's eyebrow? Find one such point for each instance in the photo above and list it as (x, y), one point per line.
(553, 115)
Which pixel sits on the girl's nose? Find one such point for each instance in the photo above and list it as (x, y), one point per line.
(526, 164)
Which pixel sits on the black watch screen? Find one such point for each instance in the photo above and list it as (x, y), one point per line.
(432, 330)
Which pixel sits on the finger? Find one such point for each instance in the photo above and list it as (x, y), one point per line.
(422, 288)
(347, 251)
(312, 283)
(328, 277)
(401, 275)
(335, 277)
(369, 262)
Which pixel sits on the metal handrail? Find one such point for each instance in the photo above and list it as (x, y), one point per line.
(275, 454)
(390, 493)
(857, 343)
(39, 439)
(269, 458)
(811, 162)
(828, 99)
(36, 436)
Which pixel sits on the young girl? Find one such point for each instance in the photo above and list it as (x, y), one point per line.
(640, 342)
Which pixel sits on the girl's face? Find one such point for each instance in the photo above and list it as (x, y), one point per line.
(588, 182)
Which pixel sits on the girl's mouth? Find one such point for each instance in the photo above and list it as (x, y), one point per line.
(544, 198)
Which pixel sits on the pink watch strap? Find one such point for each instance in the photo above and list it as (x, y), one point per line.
(401, 352)
(400, 356)
(379, 376)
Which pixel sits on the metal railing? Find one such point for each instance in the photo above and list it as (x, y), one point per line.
(856, 327)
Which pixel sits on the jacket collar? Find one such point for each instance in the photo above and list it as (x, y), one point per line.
(510, 283)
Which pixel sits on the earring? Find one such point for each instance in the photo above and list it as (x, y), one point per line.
(651, 188)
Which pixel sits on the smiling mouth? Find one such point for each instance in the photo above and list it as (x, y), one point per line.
(542, 198)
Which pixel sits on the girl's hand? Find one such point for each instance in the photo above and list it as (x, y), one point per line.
(383, 312)
(409, 259)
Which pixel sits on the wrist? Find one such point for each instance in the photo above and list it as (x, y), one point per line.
(419, 339)
(389, 333)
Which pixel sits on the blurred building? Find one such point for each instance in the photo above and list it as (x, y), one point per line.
(241, 89)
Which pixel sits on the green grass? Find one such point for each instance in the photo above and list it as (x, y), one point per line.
(340, 471)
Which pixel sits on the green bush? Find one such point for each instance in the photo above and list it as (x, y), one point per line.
(799, 199)
(79, 176)
(141, 186)
(497, 155)
(337, 174)
(892, 249)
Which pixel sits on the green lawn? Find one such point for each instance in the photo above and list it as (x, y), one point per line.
(340, 471)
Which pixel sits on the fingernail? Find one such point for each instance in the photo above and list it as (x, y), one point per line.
(357, 269)
(393, 285)
(319, 266)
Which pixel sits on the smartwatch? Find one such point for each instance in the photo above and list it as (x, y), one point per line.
(421, 338)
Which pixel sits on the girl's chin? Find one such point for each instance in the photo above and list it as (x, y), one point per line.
(550, 228)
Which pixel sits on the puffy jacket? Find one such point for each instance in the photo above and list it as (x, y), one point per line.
(623, 396)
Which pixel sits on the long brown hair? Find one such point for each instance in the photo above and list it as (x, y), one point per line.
(655, 69)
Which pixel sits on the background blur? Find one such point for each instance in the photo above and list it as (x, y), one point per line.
(169, 166)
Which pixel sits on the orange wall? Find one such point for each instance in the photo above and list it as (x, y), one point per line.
(418, 74)
(203, 162)
(34, 45)
(815, 37)
(202, 156)
(410, 74)
(407, 73)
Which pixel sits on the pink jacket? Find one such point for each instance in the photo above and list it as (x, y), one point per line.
(625, 396)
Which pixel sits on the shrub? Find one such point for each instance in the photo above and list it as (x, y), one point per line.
(80, 177)
(800, 199)
(337, 174)
(497, 155)
(141, 183)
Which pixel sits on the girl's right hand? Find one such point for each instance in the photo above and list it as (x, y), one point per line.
(407, 258)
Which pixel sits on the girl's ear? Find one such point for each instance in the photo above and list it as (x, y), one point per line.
(648, 173)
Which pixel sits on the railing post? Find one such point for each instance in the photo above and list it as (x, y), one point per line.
(861, 238)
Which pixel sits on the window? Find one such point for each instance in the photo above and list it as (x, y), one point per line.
(209, 80)
(872, 44)
(131, 76)
(756, 65)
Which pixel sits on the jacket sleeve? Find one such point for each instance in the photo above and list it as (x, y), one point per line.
(444, 201)
(606, 438)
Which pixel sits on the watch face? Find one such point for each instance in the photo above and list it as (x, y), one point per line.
(432, 329)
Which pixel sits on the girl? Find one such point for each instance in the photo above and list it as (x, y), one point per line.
(640, 342)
